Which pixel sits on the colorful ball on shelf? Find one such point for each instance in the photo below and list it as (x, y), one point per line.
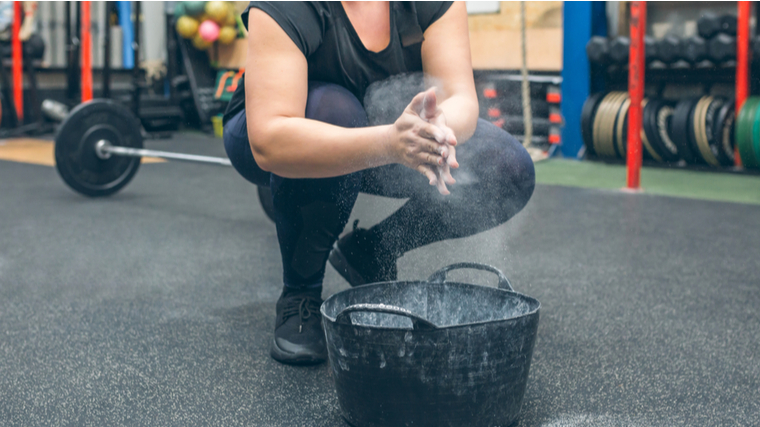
(209, 31)
(231, 20)
(194, 8)
(227, 35)
(179, 9)
(201, 44)
(187, 27)
(217, 10)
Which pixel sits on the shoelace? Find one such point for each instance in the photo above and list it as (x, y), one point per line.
(304, 307)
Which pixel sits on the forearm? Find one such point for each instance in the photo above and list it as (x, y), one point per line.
(294, 147)
(461, 112)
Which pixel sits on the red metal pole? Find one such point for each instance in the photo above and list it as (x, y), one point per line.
(636, 69)
(86, 53)
(18, 62)
(742, 61)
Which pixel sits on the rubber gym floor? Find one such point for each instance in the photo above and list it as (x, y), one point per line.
(155, 306)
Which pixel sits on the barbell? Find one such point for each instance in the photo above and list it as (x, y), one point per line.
(98, 149)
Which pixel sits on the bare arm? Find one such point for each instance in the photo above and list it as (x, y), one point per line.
(286, 143)
(447, 63)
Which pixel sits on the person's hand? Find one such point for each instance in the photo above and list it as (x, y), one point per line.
(432, 114)
(418, 144)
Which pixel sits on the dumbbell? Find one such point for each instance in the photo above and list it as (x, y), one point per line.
(620, 48)
(721, 48)
(710, 24)
(597, 50)
(755, 46)
(650, 49)
(34, 48)
(694, 49)
(669, 49)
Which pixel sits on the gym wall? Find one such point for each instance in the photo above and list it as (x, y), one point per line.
(495, 37)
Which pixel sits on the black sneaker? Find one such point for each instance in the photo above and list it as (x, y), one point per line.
(355, 258)
(298, 335)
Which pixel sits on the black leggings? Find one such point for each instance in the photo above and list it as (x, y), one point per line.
(495, 181)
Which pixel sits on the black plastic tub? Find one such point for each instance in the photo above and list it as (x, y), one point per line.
(431, 353)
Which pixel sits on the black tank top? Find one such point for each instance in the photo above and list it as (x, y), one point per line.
(335, 53)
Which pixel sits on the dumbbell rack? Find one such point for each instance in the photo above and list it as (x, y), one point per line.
(619, 77)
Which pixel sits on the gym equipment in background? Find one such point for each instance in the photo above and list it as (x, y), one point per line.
(99, 146)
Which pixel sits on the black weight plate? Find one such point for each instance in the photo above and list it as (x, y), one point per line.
(713, 129)
(649, 125)
(645, 144)
(692, 137)
(587, 120)
(620, 136)
(75, 157)
(659, 117)
(648, 151)
(679, 129)
(723, 133)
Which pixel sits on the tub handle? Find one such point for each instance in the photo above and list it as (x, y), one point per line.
(418, 323)
(440, 275)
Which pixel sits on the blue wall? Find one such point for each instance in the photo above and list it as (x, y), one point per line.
(127, 31)
(575, 72)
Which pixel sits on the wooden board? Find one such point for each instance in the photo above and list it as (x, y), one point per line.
(500, 49)
(495, 39)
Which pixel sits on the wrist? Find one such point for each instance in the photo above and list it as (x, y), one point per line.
(387, 152)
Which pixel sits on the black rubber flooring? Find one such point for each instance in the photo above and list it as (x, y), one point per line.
(155, 306)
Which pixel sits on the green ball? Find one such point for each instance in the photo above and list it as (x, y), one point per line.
(179, 9)
(194, 8)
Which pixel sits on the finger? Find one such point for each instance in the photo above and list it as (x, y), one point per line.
(428, 146)
(435, 133)
(416, 105)
(428, 172)
(446, 174)
(440, 122)
(440, 184)
(429, 104)
(432, 159)
(451, 159)
(451, 139)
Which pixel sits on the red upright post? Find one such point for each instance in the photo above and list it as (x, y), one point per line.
(86, 53)
(742, 61)
(18, 61)
(636, 68)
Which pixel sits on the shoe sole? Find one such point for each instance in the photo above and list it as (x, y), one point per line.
(288, 358)
(341, 265)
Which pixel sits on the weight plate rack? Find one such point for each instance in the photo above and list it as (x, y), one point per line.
(699, 131)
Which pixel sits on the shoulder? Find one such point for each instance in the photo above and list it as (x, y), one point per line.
(304, 22)
(430, 11)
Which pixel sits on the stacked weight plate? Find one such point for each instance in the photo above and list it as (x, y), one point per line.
(604, 125)
(748, 133)
(697, 130)
(702, 130)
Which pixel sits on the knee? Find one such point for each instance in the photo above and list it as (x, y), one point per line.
(511, 171)
(519, 170)
(335, 105)
(238, 150)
